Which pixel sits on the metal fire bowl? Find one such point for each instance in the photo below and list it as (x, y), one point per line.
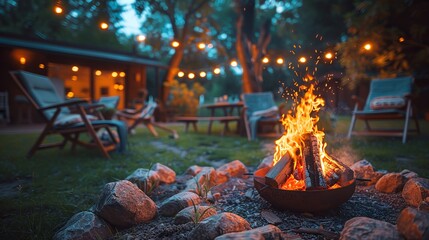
(305, 201)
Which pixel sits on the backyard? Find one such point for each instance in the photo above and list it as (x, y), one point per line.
(40, 194)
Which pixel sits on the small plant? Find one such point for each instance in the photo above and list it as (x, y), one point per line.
(202, 189)
(149, 184)
(198, 216)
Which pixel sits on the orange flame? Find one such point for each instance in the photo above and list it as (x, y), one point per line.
(296, 126)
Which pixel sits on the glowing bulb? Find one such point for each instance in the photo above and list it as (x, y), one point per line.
(98, 73)
(280, 61)
(175, 44)
(216, 70)
(58, 10)
(114, 74)
(22, 60)
(329, 55)
(120, 87)
(122, 74)
(234, 63)
(201, 46)
(74, 78)
(75, 68)
(70, 94)
(401, 39)
(141, 38)
(191, 76)
(265, 60)
(302, 60)
(180, 74)
(367, 46)
(42, 66)
(203, 74)
(104, 25)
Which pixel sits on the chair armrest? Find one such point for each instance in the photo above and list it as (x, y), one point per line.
(64, 104)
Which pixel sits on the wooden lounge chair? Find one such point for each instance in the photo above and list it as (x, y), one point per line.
(260, 109)
(144, 116)
(388, 99)
(110, 101)
(61, 120)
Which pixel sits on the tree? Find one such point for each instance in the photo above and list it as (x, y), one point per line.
(187, 24)
(249, 51)
(397, 34)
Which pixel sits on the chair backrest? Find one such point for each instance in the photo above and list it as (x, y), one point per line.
(389, 87)
(148, 110)
(39, 90)
(110, 102)
(258, 101)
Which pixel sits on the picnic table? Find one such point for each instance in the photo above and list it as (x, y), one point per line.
(224, 112)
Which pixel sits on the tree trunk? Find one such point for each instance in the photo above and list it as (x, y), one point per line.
(172, 71)
(250, 54)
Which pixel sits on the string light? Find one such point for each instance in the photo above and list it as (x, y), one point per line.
(75, 68)
(74, 78)
(104, 25)
(22, 60)
(191, 75)
(201, 46)
(122, 74)
(265, 60)
(114, 74)
(203, 74)
(140, 38)
(280, 61)
(58, 8)
(70, 94)
(98, 73)
(234, 63)
(42, 66)
(302, 60)
(216, 70)
(329, 55)
(175, 44)
(180, 74)
(401, 39)
(367, 46)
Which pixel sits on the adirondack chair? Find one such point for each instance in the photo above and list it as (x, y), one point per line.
(388, 99)
(259, 109)
(67, 118)
(144, 116)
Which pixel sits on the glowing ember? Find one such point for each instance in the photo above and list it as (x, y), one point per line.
(299, 125)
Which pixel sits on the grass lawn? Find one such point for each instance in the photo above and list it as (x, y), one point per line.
(55, 184)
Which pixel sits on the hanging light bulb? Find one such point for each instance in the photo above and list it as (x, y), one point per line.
(75, 68)
(122, 74)
(280, 60)
(234, 63)
(302, 60)
(191, 76)
(329, 55)
(58, 9)
(367, 46)
(98, 73)
(175, 44)
(104, 25)
(180, 74)
(265, 60)
(114, 74)
(203, 74)
(201, 46)
(216, 70)
(22, 60)
(140, 38)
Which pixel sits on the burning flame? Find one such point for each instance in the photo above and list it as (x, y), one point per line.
(296, 126)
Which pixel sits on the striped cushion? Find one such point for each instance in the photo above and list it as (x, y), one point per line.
(387, 102)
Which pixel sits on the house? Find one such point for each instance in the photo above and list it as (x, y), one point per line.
(77, 71)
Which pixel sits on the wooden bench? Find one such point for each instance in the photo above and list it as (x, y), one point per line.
(194, 120)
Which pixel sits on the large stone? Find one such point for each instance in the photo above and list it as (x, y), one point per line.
(369, 229)
(84, 225)
(202, 182)
(229, 170)
(391, 183)
(266, 162)
(364, 170)
(424, 205)
(175, 203)
(193, 170)
(217, 225)
(415, 191)
(194, 214)
(413, 224)
(261, 233)
(166, 174)
(145, 179)
(123, 205)
(408, 174)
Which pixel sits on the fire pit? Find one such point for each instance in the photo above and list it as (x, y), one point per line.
(304, 177)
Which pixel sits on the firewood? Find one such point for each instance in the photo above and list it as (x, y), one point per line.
(333, 171)
(279, 172)
(313, 175)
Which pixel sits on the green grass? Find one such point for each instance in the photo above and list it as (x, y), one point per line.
(57, 184)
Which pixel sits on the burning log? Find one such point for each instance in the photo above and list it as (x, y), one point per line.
(312, 164)
(279, 172)
(333, 171)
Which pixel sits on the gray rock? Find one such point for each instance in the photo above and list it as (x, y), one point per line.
(217, 225)
(391, 183)
(189, 214)
(424, 205)
(175, 203)
(84, 225)
(413, 224)
(408, 174)
(364, 169)
(415, 191)
(369, 229)
(232, 169)
(193, 170)
(166, 174)
(145, 179)
(123, 205)
(267, 232)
